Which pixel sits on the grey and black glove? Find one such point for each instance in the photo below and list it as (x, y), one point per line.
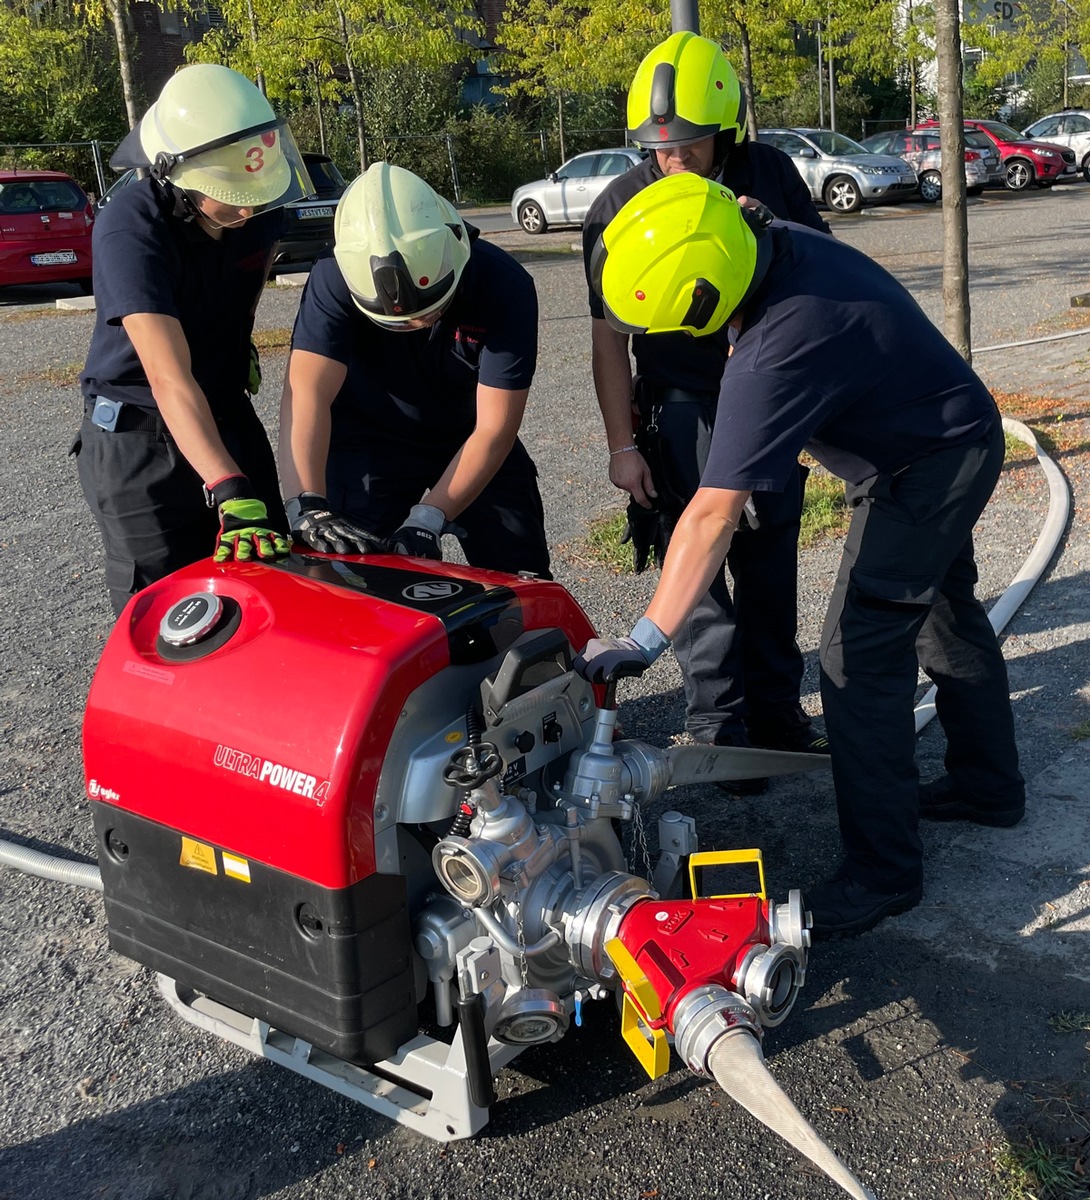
(315, 523)
(603, 660)
(421, 534)
(649, 530)
(245, 532)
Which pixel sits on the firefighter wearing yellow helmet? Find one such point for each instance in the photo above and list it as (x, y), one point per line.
(740, 663)
(173, 460)
(832, 355)
(411, 362)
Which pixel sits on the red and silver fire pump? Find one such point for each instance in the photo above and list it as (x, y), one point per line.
(332, 793)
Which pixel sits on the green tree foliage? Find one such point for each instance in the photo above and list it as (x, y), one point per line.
(284, 39)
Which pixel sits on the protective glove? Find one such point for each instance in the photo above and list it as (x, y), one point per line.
(245, 533)
(603, 660)
(253, 381)
(647, 529)
(314, 522)
(421, 534)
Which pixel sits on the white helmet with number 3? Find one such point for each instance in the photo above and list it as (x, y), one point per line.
(212, 131)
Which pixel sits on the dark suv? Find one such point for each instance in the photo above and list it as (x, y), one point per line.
(1025, 162)
(308, 228)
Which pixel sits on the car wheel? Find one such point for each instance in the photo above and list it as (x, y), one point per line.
(1019, 174)
(842, 194)
(975, 191)
(931, 187)
(531, 218)
(1086, 168)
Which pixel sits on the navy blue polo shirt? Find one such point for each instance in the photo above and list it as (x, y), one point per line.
(836, 357)
(148, 260)
(420, 386)
(752, 169)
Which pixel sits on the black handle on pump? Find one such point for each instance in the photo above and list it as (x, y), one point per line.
(482, 1091)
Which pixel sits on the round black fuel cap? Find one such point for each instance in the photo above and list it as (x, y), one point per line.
(191, 619)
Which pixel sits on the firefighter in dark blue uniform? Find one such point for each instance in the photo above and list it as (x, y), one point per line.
(740, 662)
(821, 339)
(180, 261)
(412, 357)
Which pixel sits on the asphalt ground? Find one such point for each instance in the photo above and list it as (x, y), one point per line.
(922, 1050)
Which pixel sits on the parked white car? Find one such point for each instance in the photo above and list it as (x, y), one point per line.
(1068, 128)
(840, 172)
(564, 197)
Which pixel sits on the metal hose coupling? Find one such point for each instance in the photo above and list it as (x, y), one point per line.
(705, 1015)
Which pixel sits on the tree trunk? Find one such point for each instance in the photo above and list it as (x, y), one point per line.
(260, 77)
(560, 126)
(320, 105)
(354, 83)
(124, 61)
(821, 80)
(747, 77)
(832, 89)
(912, 72)
(955, 225)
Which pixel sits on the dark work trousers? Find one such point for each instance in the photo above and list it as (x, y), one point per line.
(904, 594)
(148, 501)
(504, 527)
(739, 658)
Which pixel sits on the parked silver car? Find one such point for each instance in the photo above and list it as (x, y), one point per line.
(839, 171)
(1068, 128)
(923, 153)
(566, 194)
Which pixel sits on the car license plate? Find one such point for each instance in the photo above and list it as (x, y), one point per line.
(53, 257)
(305, 214)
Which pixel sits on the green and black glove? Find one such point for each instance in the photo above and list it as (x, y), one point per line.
(245, 533)
(253, 380)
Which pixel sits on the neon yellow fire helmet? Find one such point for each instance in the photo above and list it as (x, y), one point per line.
(683, 91)
(400, 246)
(212, 131)
(681, 257)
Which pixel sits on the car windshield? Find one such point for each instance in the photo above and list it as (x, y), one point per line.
(1001, 131)
(40, 195)
(834, 143)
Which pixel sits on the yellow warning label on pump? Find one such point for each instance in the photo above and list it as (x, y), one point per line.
(237, 868)
(198, 856)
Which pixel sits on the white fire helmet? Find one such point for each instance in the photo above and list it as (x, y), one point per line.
(212, 131)
(400, 246)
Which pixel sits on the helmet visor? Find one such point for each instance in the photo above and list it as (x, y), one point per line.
(261, 169)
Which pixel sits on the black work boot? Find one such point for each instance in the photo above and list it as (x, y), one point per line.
(787, 729)
(843, 907)
(943, 800)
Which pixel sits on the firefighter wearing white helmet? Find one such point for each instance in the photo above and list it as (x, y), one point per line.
(412, 358)
(740, 663)
(173, 460)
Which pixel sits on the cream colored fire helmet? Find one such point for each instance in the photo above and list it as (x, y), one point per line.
(400, 246)
(212, 131)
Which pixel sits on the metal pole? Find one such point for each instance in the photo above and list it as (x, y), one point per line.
(454, 170)
(684, 16)
(96, 154)
(821, 82)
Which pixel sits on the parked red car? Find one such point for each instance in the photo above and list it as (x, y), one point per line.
(45, 229)
(1025, 162)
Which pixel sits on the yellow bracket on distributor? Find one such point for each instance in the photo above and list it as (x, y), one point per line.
(718, 858)
(648, 1044)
